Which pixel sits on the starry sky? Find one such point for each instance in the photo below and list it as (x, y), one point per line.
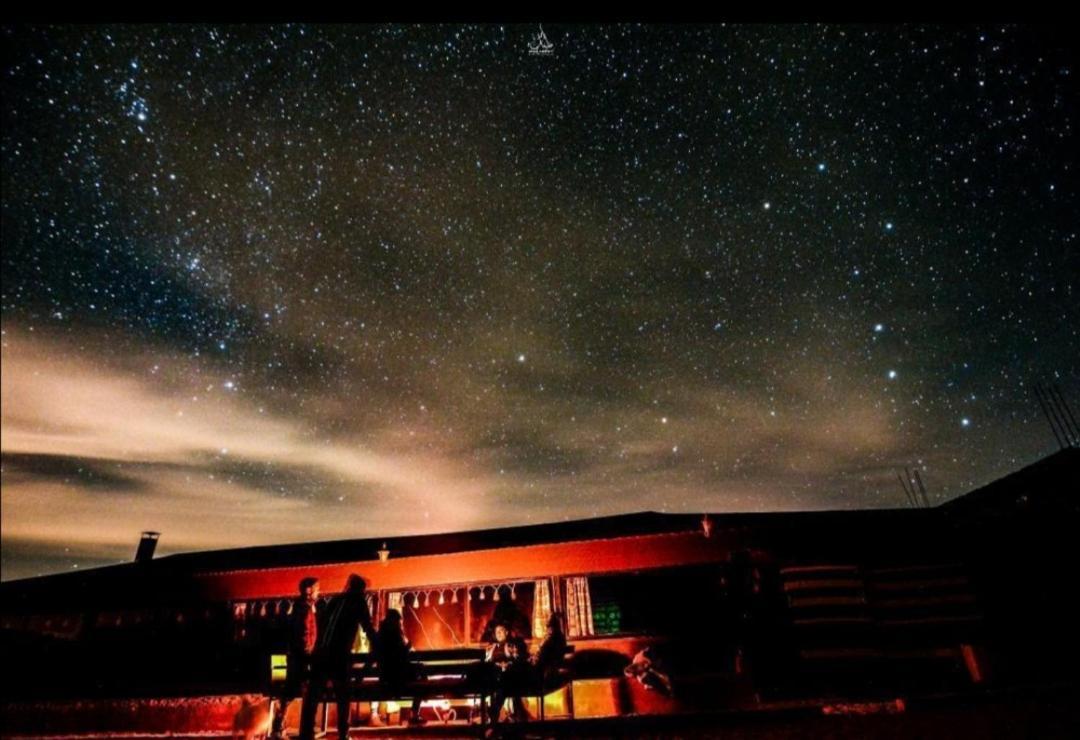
(292, 283)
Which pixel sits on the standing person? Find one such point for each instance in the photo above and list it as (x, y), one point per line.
(396, 671)
(303, 638)
(343, 616)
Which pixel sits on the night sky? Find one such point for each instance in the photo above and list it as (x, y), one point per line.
(283, 284)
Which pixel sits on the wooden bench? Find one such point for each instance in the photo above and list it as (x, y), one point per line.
(455, 673)
(545, 685)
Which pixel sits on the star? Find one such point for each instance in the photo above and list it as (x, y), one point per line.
(366, 227)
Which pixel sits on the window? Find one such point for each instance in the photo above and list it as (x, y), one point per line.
(457, 616)
(434, 619)
(668, 601)
(511, 604)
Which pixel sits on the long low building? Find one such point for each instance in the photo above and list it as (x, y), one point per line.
(740, 609)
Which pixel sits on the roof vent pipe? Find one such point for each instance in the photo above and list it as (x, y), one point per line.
(147, 545)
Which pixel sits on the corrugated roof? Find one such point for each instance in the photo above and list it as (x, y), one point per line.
(1045, 474)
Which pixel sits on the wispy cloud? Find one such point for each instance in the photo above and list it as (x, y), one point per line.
(98, 447)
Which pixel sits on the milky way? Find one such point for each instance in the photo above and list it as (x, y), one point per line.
(297, 283)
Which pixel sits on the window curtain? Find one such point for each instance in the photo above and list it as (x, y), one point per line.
(578, 607)
(396, 600)
(541, 607)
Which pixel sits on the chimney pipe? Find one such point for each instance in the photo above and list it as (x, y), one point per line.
(147, 544)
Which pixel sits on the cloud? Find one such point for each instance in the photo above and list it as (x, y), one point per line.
(491, 443)
(215, 469)
(87, 473)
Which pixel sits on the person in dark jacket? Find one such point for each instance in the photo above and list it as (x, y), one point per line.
(303, 639)
(508, 658)
(342, 618)
(549, 658)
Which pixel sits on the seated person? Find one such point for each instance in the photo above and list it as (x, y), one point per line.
(517, 653)
(507, 657)
(549, 658)
(396, 671)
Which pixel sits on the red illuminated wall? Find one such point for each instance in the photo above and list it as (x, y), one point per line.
(589, 556)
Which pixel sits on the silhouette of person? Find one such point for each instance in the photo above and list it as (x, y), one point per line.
(396, 671)
(343, 616)
(550, 656)
(303, 639)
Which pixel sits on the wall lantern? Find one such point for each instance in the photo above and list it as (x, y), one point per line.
(384, 554)
(279, 666)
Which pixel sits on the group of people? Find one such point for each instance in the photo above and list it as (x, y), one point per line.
(320, 652)
(321, 641)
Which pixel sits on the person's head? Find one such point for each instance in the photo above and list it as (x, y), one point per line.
(554, 623)
(356, 585)
(391, 622)
(309, 590)
(501, 632)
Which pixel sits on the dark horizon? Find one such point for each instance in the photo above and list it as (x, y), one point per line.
(298, 283)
